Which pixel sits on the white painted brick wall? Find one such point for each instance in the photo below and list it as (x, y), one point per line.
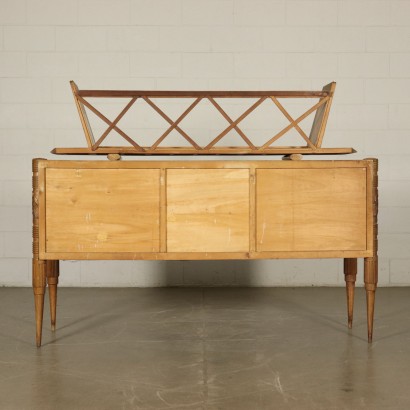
(13, 12)
(25, 90)
(156, 13)
(51, 65)
(207, 65)
(284, 39)
(364, 13)
(264, 65)
(400, 11)
(104, 12)
(13, 64)
(80, 39)
(183, 39)
(364, 45)
(389, 39)
(259, 13)
(155, 64)
(51, 12)
(364, 65)
(139, 38)
(23, 38)
(400, 65)
(311, 13)
(209, 13)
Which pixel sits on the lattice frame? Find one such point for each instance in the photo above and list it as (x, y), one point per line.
(313, 141)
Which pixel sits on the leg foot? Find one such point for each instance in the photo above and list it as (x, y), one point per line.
(39, 288)
(350, 272)
(370, 283)
(52, 281)
(370, 313)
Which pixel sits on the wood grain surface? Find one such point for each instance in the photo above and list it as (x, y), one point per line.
(207, 210)
(311, 209)
(102, 210)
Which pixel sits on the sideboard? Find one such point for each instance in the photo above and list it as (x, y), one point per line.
(202, 210)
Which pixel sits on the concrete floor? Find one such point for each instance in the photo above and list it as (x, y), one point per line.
(213, 348)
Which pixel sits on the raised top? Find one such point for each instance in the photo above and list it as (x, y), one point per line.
(312, 143)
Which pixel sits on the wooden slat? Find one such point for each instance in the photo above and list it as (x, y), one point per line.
(88, 132)
(193, 151)
(202, 255)
(372, 196)
(319, 123)
(42, 203)
(195, 94)
(252, 209)
(204, 164)
(163, 210)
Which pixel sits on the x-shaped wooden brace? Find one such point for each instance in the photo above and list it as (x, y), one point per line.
(112, 125)
(174, 124)
(233, 124)
(294, 123)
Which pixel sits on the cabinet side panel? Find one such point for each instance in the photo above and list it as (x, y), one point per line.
(311, 209)
(208, 210)
(102, 210)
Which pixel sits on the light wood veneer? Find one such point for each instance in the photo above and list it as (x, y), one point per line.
(185, 210)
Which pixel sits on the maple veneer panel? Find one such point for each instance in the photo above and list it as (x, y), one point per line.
(102, 210)
(207, 210)
(311, 209)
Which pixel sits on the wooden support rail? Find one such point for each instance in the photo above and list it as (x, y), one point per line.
(195, 94)
(312, 144)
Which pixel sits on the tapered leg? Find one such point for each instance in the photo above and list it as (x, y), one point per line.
(52, 270)
(371, 264)
(350, 271)
(39, 288)
(370, 283)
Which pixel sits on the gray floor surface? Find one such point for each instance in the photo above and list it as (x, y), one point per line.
(205, 348)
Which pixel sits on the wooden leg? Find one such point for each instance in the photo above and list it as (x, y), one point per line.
(371, 264)
(370, 283)
(350, 271)
(39, 288)
(52, 268)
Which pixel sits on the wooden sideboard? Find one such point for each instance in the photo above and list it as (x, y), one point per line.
(198, 210)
